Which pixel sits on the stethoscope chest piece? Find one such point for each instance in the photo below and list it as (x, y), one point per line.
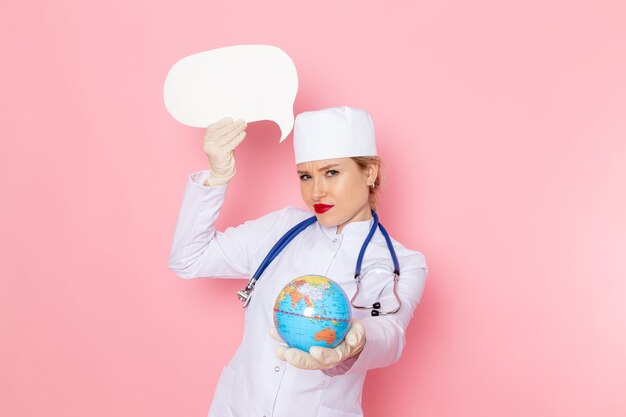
(246, 294)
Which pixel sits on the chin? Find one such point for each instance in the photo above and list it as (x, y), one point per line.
(327, 219)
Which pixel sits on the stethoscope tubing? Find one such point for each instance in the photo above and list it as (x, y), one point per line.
(245, 294)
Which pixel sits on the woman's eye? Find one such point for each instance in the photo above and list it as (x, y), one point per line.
(331, 173)
(304, 177)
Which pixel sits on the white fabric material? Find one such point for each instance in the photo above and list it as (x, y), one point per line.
(337, 132)
(255, 382)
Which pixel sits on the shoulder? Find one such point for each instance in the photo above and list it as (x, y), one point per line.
(296, 213)
(282, 219)
(408, 258)
(291, 215)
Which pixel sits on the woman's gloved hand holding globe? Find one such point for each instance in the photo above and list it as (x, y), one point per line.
(320, 357)
(220, 140)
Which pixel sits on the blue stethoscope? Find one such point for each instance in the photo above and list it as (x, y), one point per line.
(245, 294)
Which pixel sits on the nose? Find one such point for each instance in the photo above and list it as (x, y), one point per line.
(319, 189)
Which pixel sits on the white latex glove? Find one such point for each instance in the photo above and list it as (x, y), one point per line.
(220, 140)
(320, 357)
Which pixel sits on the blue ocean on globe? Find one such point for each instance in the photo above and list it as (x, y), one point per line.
(312, 310)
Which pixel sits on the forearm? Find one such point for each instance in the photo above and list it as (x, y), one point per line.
(195, 251)
(199, 250)
(385, 335)
(383, 347)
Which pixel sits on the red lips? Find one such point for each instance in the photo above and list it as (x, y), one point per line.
(322, 208)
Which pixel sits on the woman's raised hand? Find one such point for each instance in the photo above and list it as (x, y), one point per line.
(220, 140)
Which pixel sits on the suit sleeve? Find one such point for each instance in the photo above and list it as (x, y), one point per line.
(385, 335)
(198, 250)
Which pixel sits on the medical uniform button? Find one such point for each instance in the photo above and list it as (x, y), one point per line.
(334, 240)
(277, 368)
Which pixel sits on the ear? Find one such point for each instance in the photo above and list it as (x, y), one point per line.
(372, 172)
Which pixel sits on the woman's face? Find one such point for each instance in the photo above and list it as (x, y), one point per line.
(336, 190)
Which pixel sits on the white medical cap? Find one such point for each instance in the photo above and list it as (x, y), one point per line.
(337, 132)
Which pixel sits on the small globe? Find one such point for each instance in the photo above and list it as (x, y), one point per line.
(312, 310)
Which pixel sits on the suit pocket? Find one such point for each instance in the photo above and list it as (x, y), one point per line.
(222, 404)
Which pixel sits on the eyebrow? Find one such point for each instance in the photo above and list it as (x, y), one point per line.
(321, 169)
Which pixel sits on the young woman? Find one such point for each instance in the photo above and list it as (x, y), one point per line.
(338, 167)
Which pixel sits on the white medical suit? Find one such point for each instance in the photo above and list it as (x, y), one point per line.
(255, 383)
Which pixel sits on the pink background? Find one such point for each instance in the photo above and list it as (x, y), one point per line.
(503, 128)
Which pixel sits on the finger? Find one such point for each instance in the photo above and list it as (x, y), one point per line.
(326, 356)
(230, 136)
(280, 352)
(301, 359)
(355, 334)
(350, 336)
(239, 124)
(236, 140)
(275, 335)
(217, 131)
(220, 123)
(226, 134)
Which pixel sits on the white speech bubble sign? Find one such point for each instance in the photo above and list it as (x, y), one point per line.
(253, 82)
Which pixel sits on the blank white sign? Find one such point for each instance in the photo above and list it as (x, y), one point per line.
(253, 82)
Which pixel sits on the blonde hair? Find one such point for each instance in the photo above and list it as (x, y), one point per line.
(363, 162)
